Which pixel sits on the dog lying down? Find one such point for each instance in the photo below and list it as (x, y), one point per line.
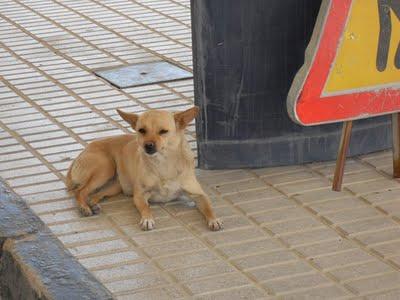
(154, 164)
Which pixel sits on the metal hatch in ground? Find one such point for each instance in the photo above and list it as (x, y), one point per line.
(143, 74)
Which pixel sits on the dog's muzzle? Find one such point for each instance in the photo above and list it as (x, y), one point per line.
(150, 148)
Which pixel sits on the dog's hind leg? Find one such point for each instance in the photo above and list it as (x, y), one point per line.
(81, 196)
(90, 171)
(109, 190)
(99, 177)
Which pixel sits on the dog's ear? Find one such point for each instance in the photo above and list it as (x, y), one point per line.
(131, 118)
(182, 119)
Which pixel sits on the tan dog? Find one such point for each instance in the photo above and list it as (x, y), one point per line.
(155, 164)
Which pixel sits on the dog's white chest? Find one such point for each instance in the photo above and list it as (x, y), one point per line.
(167, 190)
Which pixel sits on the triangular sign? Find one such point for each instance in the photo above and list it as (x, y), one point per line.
(352, 65)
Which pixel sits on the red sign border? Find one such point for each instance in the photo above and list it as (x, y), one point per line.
(305, 104)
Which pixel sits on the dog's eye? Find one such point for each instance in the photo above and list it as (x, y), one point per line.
(142, 131)
(163, 131)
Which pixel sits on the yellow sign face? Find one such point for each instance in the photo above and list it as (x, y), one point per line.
(368, 57)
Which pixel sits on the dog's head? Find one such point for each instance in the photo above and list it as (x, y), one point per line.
(159, 130)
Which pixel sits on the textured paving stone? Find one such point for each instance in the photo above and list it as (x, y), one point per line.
(351, 215)
(360, 270)
(329, 292)
(324, 248)
(286, 233)
(383, 236)
(234, 187)
(394, 294)
(375, 224)
(141, 282)
(310, 237)
(166, 292)
(244, 292)
(291, 212)
(184, 260)
(281, 270)
(264, 259)
(320, 195)
(337, 206)
(289, 177)
(292, 226)
(380, 282)
(362, 188)
(342, 259)
(102, 261)
(258, 194)
(291, 189)
(228, 237)
(120, 272)
(265, 205)
(196, 272)
(248, 248)
(217, 283)
(383, 196)
(174, 248)
(284, 286)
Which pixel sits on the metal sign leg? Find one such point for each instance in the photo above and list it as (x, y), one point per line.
(341, 157)
(396, 144)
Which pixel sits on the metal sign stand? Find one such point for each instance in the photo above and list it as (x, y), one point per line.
(341, 157)
(344, 146)
(396, 144)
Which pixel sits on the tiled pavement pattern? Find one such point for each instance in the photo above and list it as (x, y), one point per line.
(286, 234)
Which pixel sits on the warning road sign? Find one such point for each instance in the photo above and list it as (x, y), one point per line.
(352, 65)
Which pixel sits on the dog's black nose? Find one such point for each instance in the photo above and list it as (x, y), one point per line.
(150, 148)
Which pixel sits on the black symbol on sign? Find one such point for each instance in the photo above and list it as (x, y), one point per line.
(385, 33)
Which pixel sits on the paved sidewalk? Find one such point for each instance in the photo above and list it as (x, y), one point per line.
(286, 233)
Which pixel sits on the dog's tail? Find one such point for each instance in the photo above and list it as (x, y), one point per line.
(71, 185)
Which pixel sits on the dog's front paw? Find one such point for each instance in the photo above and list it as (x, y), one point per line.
(147, 223)
(215, 224)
